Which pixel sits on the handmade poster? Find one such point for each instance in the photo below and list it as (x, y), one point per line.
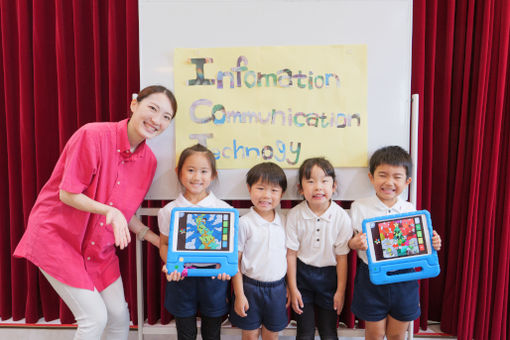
(282, 104)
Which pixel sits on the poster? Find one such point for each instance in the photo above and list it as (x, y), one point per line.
(282, 104)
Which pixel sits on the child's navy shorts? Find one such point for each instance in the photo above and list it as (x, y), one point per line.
(316, 284)
(266, 305)
(372, 302)
(209, 296)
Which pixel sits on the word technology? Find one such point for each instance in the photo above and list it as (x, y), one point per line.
(280, 151)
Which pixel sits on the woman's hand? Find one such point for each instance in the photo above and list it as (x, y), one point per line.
(119, 226)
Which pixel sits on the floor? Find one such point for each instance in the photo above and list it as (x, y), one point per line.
(53, 331)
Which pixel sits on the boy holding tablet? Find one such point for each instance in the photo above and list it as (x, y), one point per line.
(383, 307)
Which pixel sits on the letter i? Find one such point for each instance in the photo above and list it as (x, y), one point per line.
(310, 80)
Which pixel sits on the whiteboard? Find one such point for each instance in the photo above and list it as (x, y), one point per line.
(385, 26)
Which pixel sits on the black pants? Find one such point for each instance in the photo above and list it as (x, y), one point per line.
(326, 323)
(187, 328)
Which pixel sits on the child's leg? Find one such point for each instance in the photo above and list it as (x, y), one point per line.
(268, 335)
(306, 323)
(375, 330)
(186, 328)
(395, 329)
(211, 327)
(326, 323)
(251, 334)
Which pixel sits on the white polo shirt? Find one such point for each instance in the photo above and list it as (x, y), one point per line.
(263, 246)
(164, 213)
(318, 239)
(373, 207)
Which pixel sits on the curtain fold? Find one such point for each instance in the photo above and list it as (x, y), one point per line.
(64, 63)
(460, 70)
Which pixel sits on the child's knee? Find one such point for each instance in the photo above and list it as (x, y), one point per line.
(375, 330)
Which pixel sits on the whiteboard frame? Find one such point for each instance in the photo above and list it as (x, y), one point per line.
(384, 25)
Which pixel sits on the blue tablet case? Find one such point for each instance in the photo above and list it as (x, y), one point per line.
(399, 248)
(203, 236)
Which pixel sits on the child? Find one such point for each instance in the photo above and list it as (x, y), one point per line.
(259, 286)
(317, 234)
(185, 296)
(390, 169)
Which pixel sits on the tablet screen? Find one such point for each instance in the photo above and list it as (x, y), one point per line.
(397, 238)
(204, 231)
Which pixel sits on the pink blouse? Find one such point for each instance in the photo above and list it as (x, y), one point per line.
(77, 247)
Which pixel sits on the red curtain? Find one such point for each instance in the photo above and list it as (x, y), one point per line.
(461, 71)
(64, 63)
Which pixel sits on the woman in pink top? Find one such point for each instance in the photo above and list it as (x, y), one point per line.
(87, 208)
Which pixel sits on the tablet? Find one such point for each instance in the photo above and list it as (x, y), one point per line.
(400, 247)
(203, 241)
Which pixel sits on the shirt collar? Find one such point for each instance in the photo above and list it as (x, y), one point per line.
(206, 202)
(123, 146)
(308, 214)
(261, 221)
(397, 208)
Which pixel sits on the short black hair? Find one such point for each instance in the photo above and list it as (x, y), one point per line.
(392, 155)
(267, 172)
(305, 170)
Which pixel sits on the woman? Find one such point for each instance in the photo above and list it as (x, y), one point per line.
(87, 208)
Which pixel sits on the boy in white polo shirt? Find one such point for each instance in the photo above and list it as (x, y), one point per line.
(380, 306)
(260, 294)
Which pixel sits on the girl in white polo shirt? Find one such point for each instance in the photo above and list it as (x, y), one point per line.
(318, 231)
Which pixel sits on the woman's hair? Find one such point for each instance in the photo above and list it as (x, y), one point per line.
(194, 149)
(158, 89)
(267, 172)
(305, 170)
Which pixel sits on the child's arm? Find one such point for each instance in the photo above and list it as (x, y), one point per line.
(436, 240)
(341, 275)
(295, 295)
(241, 304)
(163, 251)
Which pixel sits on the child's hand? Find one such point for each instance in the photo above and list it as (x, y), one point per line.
(436, 240)
(287, 304)
(241, 305)
(358, 242)
(338, 302)
(174, 276)
(297, 301)
(222, 277)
